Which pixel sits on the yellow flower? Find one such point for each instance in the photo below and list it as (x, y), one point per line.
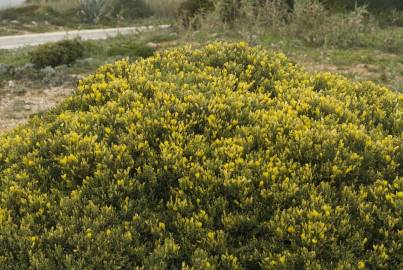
(89, 234)
(361, 265)
(161, 225)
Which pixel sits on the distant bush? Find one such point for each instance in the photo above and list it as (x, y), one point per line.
(131, 9)
(190, 8)
(164, 8)
(391, 18)
(224, 157)
(311, 21)
(60, 53)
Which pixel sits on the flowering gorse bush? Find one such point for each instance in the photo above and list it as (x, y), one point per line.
(224, 157)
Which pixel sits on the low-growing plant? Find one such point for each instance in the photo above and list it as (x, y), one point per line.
(59, 53)
(164, 37)
(223, 157)
(131, 49)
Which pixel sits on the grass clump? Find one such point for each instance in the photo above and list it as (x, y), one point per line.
(59, 53)
(131, 49)
(224, 157)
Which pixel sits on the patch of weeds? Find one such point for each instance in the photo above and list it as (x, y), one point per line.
(199, 36)
(131, 50)
(18, 109)
(121, 46)
(15, 57)
(39, 14)
(163, 38)
(276, 40)
(88, 64)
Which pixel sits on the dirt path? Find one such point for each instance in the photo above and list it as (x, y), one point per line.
(16, 109)
(12, 42)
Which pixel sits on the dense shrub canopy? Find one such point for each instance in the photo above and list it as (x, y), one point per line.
(63, 52)
(224, 157)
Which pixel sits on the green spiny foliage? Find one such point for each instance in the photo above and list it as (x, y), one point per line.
(224, 157)
(94, 10)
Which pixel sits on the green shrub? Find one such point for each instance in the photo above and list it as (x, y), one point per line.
(131, 9)
(164, 8)
(224, 157)
(59, 53)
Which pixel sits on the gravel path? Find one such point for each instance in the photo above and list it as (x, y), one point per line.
(12, 42)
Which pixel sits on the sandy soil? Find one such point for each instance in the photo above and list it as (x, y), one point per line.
(16, 109)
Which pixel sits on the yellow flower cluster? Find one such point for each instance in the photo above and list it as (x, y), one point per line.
(223, 157)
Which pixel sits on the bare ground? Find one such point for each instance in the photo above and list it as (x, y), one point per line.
(16, 109)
